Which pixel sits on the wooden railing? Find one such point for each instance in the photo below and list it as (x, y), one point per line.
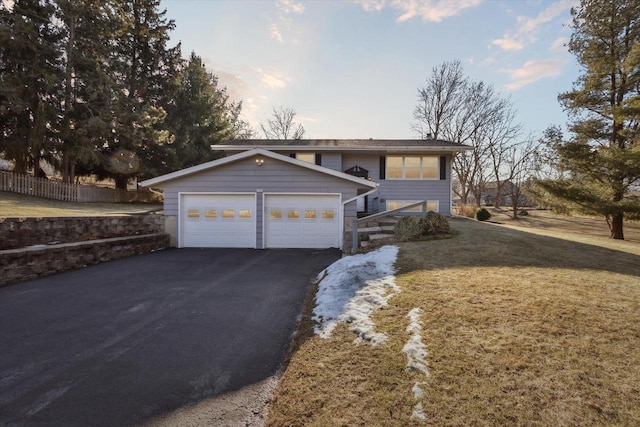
(40, 187)
(356, 222)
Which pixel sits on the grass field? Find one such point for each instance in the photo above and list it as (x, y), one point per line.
(523, 324)
(17, 205)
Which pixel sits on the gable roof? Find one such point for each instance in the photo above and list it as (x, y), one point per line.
(250, 153)
(384, 145)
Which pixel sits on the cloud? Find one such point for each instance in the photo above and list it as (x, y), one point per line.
(508, 43)
(276, 34)
(271, 80)
(529, 27)
(290, 6)
(283, 23)
(428, 10)
(559, 44)
(306, 119)
(7, 4)
(533, 71)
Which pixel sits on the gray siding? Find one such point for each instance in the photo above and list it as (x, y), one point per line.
(332, 161)
(245, 176)
(402, 189)
(370, 162)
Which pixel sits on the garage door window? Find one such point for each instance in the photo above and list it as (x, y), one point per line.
(228, 213)
(293, 214)
(211, 213)
(328, 214)
(275, 214)
(193, 213)
(310, 214)
(245, 214)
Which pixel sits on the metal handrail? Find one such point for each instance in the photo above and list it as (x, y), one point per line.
(357, 221)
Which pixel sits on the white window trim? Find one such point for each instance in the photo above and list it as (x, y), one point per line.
(437, 177)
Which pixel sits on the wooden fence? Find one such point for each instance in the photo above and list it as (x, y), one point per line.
(40, 187)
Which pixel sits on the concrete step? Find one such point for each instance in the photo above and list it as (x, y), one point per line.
(369, 229)
(380, 236)
(390, 228)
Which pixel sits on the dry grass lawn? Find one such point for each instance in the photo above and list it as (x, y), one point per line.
(17, 205)
(520, 328)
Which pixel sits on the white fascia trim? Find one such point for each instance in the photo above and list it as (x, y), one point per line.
(325, 148)
(368, 193)
(250, 153)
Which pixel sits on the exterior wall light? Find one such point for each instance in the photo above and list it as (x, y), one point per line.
(259, 162)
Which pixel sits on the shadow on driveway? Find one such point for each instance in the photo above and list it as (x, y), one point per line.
(122, 342)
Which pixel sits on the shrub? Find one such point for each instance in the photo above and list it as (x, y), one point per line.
(434, 224)
(483, 214)
(414, 227)
(408, 228)
(465, 210)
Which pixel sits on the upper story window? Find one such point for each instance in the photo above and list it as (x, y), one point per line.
(413, 167)
(306, 157)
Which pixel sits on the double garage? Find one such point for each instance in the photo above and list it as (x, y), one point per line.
(258, 199)
(223, 220)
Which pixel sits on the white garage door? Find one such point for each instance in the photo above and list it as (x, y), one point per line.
(302, 221)
(218, 220)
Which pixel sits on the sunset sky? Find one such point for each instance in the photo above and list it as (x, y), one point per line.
(351, 69)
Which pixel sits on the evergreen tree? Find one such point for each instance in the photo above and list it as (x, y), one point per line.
(89, 29)
(29, 81)
(602, 158)
(200, 116)
(144, 69)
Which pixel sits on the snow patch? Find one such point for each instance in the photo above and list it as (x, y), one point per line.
(418, 412)
(351, 289)
(414, 349)
(416, 353)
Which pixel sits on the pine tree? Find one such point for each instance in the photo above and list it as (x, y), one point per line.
(601, 160)
(89, 29)
(144, 69)
(29, 80)
(200, 116)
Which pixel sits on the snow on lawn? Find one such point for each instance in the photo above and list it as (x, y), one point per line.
(416, 353)
(351, 289)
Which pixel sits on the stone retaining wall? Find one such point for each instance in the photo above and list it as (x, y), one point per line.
(23, 232)
(17, 265)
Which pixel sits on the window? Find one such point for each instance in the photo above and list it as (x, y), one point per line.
(293, 214)
(211, 213)
(432, 205)
(275, 214)
(310, 214)
(306, 157)
(244, 214)
(228, 213)
(328, 214)
(193, 213)
(413, 167)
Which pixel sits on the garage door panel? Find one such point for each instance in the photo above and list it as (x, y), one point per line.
(214, 220)
(302, 221)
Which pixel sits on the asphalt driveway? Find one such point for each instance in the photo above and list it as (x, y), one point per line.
(125, 341)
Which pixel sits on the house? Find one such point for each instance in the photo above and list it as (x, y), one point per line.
(508, 191)
(300, 193)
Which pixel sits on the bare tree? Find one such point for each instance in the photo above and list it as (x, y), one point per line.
(501, 143)
(520, 165)
(452, 107)
(440, 99)
(282, 125)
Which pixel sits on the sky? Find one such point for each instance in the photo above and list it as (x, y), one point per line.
(352, 69)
